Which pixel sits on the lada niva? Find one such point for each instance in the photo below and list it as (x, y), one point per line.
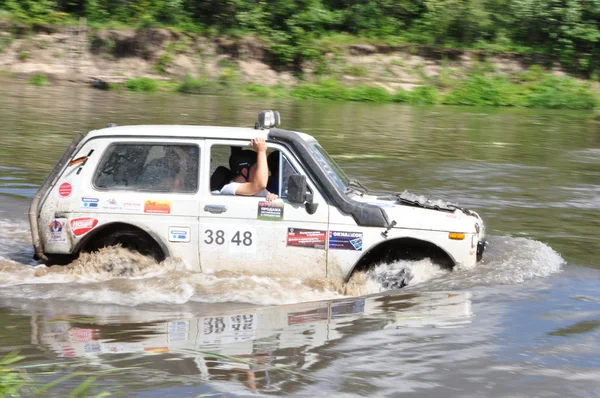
(156, 189)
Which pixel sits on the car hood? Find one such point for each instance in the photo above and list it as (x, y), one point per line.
(419, 212)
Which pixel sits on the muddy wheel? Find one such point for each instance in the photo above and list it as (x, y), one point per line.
(131, 239)
(58, 259)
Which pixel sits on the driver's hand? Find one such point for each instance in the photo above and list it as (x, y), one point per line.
(259, 144)
(271, 197)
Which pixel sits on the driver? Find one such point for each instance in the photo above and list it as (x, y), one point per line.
(250, 171)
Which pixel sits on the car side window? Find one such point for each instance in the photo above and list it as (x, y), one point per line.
(220, 168)
(149, 167)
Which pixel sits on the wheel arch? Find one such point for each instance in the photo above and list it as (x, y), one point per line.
(402, 248)
(111, 227)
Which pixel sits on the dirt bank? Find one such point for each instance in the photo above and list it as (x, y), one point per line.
(78, 54)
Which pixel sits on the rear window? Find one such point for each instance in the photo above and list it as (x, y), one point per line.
(149, 167)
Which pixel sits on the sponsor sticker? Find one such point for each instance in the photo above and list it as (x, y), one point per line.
(113, 204)
(339, 240)
(81, 335)
(306, 238)
(340, 309)
(270, 211)
(92, 348)
(89, 203)
(57, 233)
(318, 314)
(65, 189)
(157, 206)
(81, 226)
(179, 234)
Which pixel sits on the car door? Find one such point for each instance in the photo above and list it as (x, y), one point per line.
(247, 234)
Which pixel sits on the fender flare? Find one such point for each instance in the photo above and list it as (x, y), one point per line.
(95, 232)
(388, 241)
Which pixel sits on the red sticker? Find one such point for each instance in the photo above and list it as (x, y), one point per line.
(80, 226)
(65, 190)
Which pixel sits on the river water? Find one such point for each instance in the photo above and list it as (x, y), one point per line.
(525, 322)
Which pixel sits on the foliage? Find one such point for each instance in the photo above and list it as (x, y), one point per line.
(144, 84)
(567, 29)
(424, 95)
(482, 90)
(544, 91)
(191, 85)
(356, 70)
(263, 91)
(162, 63)
(23, 56)
(39, 80)
(556, 92)
(5, 41)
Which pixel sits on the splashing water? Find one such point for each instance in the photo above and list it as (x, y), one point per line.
(117, 276)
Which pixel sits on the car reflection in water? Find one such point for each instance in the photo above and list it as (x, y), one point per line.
(265, 348)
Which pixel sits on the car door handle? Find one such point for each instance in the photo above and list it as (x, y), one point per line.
(215, 209)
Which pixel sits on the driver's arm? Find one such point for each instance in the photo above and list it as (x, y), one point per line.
(259, 182)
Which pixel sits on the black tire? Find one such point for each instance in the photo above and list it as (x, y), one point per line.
(134, 240)
(58, 259)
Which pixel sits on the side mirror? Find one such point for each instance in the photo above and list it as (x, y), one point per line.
(297, 188)
(297, 193)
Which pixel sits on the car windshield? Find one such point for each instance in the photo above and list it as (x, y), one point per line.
(331, 168)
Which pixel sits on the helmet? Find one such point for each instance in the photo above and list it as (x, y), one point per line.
(241, 160)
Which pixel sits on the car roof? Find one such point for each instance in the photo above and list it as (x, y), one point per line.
(217, 132)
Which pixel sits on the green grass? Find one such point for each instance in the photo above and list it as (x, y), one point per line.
(356, 70)
(260, 90)
(191, 85)
(23, 56)
(546, 92)
(141, 84)
(38, 80)
(162, 63)
(332, 89)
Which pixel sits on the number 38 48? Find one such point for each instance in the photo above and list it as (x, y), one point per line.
(219, 237)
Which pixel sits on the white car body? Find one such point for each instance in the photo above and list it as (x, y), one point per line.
(212, 232)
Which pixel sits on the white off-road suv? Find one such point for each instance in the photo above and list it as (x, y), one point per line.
(156, 189)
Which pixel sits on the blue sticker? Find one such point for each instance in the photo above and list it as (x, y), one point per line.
(340, 240)
(87, 202)
(179, 234)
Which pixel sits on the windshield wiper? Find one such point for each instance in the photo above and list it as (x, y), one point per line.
(355, 185)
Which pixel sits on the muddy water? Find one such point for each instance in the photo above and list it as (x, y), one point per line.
(524, 323)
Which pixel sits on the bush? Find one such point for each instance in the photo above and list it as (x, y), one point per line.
(556, 92)
(39, 80)
(228, 77)
(401, 96)
(264, 91)
(424, 95)
(197, 86)
(162, 63)
(357, 71)
(328, 88)
(23, 56)
(142, 84)
(367, 94)
(483, 90)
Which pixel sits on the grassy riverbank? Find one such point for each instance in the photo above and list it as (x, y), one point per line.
(533, 88)
(417, 52)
